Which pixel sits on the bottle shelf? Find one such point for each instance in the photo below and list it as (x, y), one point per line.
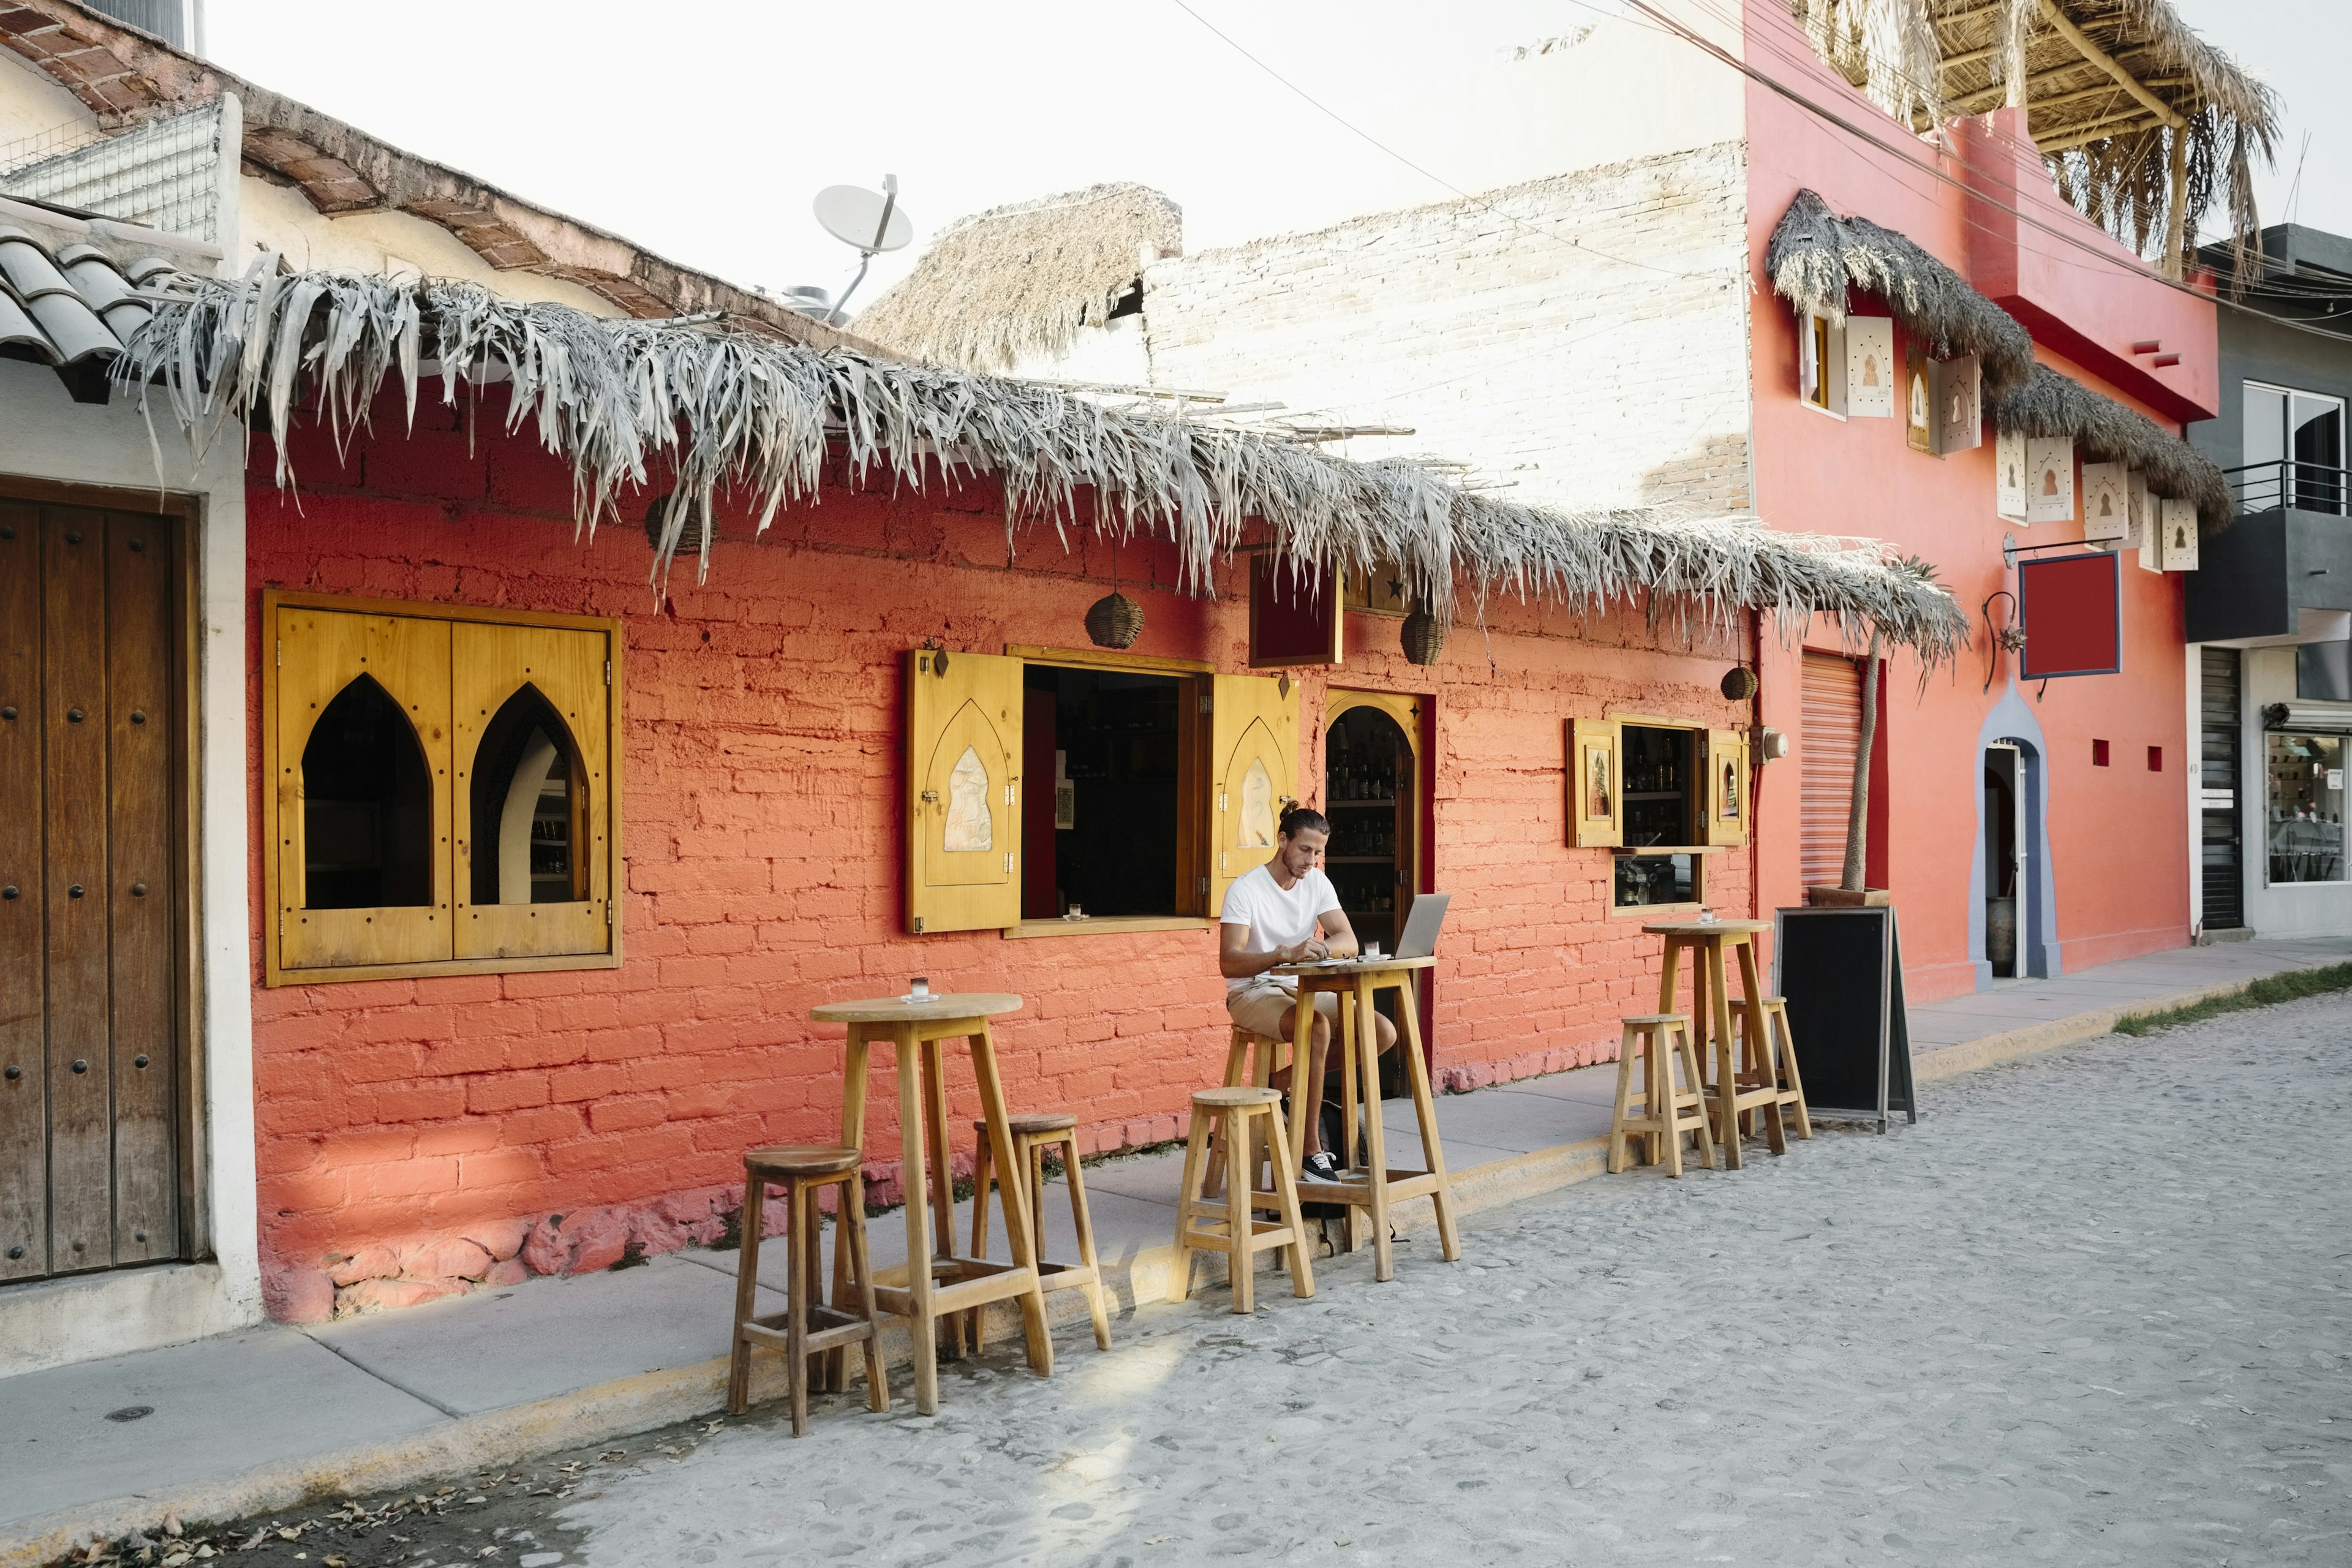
(1359, 859)
(1345, 804)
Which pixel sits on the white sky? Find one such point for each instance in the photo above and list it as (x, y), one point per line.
(702, 128)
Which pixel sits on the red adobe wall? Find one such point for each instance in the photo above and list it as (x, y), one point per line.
(415, 1134)
(2118, 836)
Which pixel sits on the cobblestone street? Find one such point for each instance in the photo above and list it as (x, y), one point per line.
(2090, 1310)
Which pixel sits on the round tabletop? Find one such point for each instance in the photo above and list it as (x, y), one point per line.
(897, 1010)
(1706, 927)
(1353, 965)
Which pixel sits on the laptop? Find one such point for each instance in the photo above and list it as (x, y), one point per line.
(1419, 938)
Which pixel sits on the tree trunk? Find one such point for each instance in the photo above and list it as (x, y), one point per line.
(1857, 821)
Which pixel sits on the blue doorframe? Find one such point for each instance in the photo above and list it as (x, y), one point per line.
(2011, 723)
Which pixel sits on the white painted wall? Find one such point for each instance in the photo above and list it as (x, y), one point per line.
(45, 434)
(1582, 337)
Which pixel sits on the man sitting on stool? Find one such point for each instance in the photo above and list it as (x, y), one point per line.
(1286, 911)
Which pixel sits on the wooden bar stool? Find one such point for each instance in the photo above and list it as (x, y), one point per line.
(1033, 1134)
(1223, 1126)
(1661, 1040)
(806, 1326)
(1769, 1057)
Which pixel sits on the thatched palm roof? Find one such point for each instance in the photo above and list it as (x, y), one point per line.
(1815, 256)
(695, 407)
(2050, 403)
(2111, 147)
(1019, 281)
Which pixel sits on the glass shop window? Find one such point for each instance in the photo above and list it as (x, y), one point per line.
(529, 805)
(1101, 839)
(1661, 792)
(2306, 808)
(367, 807)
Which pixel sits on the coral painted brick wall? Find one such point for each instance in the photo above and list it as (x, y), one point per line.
(763, 839)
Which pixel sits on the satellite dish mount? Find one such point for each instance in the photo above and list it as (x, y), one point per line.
(872, 223)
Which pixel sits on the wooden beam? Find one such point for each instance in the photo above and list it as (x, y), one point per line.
(2176, 216)
(2107, 62)
(2139, 119)
(1986, 96)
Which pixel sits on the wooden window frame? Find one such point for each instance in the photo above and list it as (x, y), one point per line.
(609, 810)
(1191, 847)
(1702, 806)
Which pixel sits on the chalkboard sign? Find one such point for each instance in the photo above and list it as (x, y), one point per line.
(1842, 971)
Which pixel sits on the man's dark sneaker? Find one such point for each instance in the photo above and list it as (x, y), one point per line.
(1319, 1167)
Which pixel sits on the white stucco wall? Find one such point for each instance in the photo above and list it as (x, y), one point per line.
(47, 436)
(1582, 337)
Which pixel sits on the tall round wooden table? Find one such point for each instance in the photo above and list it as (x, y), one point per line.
(953, 1283)
(1357, 982)
(1711, 1019)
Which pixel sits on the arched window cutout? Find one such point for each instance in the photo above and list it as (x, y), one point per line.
(367, 805)
(529, 804)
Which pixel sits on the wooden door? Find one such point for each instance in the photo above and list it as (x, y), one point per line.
(963, 790)
(490, 665)
(1253, 778)
(91, 1031)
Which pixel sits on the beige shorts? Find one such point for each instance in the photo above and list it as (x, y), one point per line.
(1263, 1007)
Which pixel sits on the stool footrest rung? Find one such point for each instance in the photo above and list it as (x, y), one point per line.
(849, 1330)
(1263, 1234)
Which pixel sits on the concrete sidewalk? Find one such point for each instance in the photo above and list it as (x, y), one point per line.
(264, 1419)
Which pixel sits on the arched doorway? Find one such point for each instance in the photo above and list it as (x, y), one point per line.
(1374, 792)
(2011, 878)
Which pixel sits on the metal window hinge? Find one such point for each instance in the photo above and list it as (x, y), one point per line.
(1008, 794)
(1208, 702)
(1221, 800)
(281, 653)
(1008, 862)
(608, 672)
(1224, 861)
(1205, 887)
(282, 922)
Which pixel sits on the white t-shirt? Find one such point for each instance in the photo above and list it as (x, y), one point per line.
(1276, 918)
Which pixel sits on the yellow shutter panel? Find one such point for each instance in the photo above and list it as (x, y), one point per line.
(319, 654)
(504, 829)
(1253, 774)
(963, 815)
(1727, 805)
(1596, 784)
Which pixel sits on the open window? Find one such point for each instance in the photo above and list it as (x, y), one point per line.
(531, 762)
(1051, 791)
(442, 796)
(1822, 369)
(1660, 794)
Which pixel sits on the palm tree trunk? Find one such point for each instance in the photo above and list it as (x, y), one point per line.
(1857, 821)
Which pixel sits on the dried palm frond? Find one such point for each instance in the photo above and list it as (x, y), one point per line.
(1885, 46)
(2110, 155)
(2054, 405)
(1815, 256)
(1017, 282)
(705, 410)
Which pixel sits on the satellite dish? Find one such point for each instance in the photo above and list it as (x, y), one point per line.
(871, 223)
(867, 220)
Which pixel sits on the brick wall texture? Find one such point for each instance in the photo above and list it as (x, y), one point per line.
(1583, 338)
(763, 837)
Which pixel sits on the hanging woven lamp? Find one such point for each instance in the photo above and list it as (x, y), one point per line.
(1115, 621)
(1423, 636)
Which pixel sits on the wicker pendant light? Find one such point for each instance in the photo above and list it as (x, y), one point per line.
(1423, 636)
(1114, 620)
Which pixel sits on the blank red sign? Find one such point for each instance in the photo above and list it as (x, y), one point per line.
(2071, 609)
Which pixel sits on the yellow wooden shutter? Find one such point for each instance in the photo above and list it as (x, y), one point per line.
(1727, 805)
(963, 816)
(567, 668)
(1596, 783)
(1253, 774)
(317, 653)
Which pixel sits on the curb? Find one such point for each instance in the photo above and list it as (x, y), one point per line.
(630, 1405)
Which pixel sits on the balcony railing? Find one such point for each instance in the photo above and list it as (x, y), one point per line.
(2291, 482)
